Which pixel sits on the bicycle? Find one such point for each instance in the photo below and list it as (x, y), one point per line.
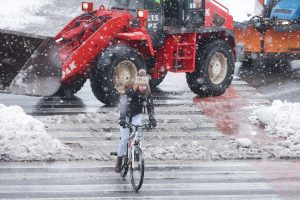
(134, 159)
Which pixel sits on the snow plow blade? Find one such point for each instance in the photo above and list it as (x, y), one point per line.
(41, 74)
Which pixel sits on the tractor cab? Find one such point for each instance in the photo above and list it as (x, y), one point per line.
(187, 14)
(165, 15)
(172, 13)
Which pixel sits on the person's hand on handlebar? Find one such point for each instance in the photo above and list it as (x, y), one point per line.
(123, 123)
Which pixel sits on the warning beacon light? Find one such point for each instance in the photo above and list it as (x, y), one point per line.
(87, 6)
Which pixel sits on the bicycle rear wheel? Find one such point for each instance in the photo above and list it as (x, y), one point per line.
(137, 168)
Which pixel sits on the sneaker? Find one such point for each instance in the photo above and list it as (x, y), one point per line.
(118, 167)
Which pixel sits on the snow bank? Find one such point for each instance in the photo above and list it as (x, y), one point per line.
(281, 119)
(17, 14)
(24, 138)
(244, 142)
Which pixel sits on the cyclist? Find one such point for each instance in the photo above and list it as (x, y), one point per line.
(136, 97)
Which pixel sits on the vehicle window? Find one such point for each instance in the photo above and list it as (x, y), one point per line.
(126, 4)
(194, 4)
(153, 5)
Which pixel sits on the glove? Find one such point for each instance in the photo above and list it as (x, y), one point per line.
(123, 123)
(153, 123)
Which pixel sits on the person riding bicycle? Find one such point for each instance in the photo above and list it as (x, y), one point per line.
(136, 96)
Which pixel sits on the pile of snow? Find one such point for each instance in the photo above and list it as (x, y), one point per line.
(17, 14)
(281, 119)
(244, 142)
(24, 138)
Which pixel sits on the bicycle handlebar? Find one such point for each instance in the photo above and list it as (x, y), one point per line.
(128, 125)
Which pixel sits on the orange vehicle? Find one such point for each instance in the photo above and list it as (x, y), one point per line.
(267, 40)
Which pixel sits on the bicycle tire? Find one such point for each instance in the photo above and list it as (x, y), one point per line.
(137, 184)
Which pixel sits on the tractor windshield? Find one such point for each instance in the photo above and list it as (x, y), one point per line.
(153, 5)
(124, 4)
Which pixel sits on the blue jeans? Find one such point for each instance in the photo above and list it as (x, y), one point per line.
(136, 120)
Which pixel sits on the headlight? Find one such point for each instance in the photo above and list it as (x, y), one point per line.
(285, 22)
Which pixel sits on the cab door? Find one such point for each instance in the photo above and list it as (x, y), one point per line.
(194, 16)
(155, 27)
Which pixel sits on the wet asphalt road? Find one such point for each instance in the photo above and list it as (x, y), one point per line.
(281, 85)
(187, 180)
(182, 117)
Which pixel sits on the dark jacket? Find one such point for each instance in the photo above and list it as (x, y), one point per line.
(132, 103)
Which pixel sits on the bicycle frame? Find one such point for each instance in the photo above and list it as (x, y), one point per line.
(133, 150)
(133, 140)
(128, 160)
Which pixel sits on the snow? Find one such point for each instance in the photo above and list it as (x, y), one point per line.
(18, 14)
(281, 118)
(244, 142)
(23, 138)
(42, 17)
(80, 118)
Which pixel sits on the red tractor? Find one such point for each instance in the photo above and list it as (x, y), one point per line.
(109, 47)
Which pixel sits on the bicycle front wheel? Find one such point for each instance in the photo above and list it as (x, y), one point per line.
(137, 169)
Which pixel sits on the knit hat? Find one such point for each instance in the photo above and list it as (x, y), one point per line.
(142, 80)
(142, 72)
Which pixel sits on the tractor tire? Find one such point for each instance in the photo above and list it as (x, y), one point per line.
(68, 89)
(150, 67)
(116, 66)
(247, 64)
(214, 70)
(155, 82)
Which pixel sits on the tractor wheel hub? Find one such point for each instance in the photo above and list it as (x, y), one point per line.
(218, 68)
(125, 72)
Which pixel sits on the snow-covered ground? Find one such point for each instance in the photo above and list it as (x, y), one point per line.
(24, 138)
(18, 14)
